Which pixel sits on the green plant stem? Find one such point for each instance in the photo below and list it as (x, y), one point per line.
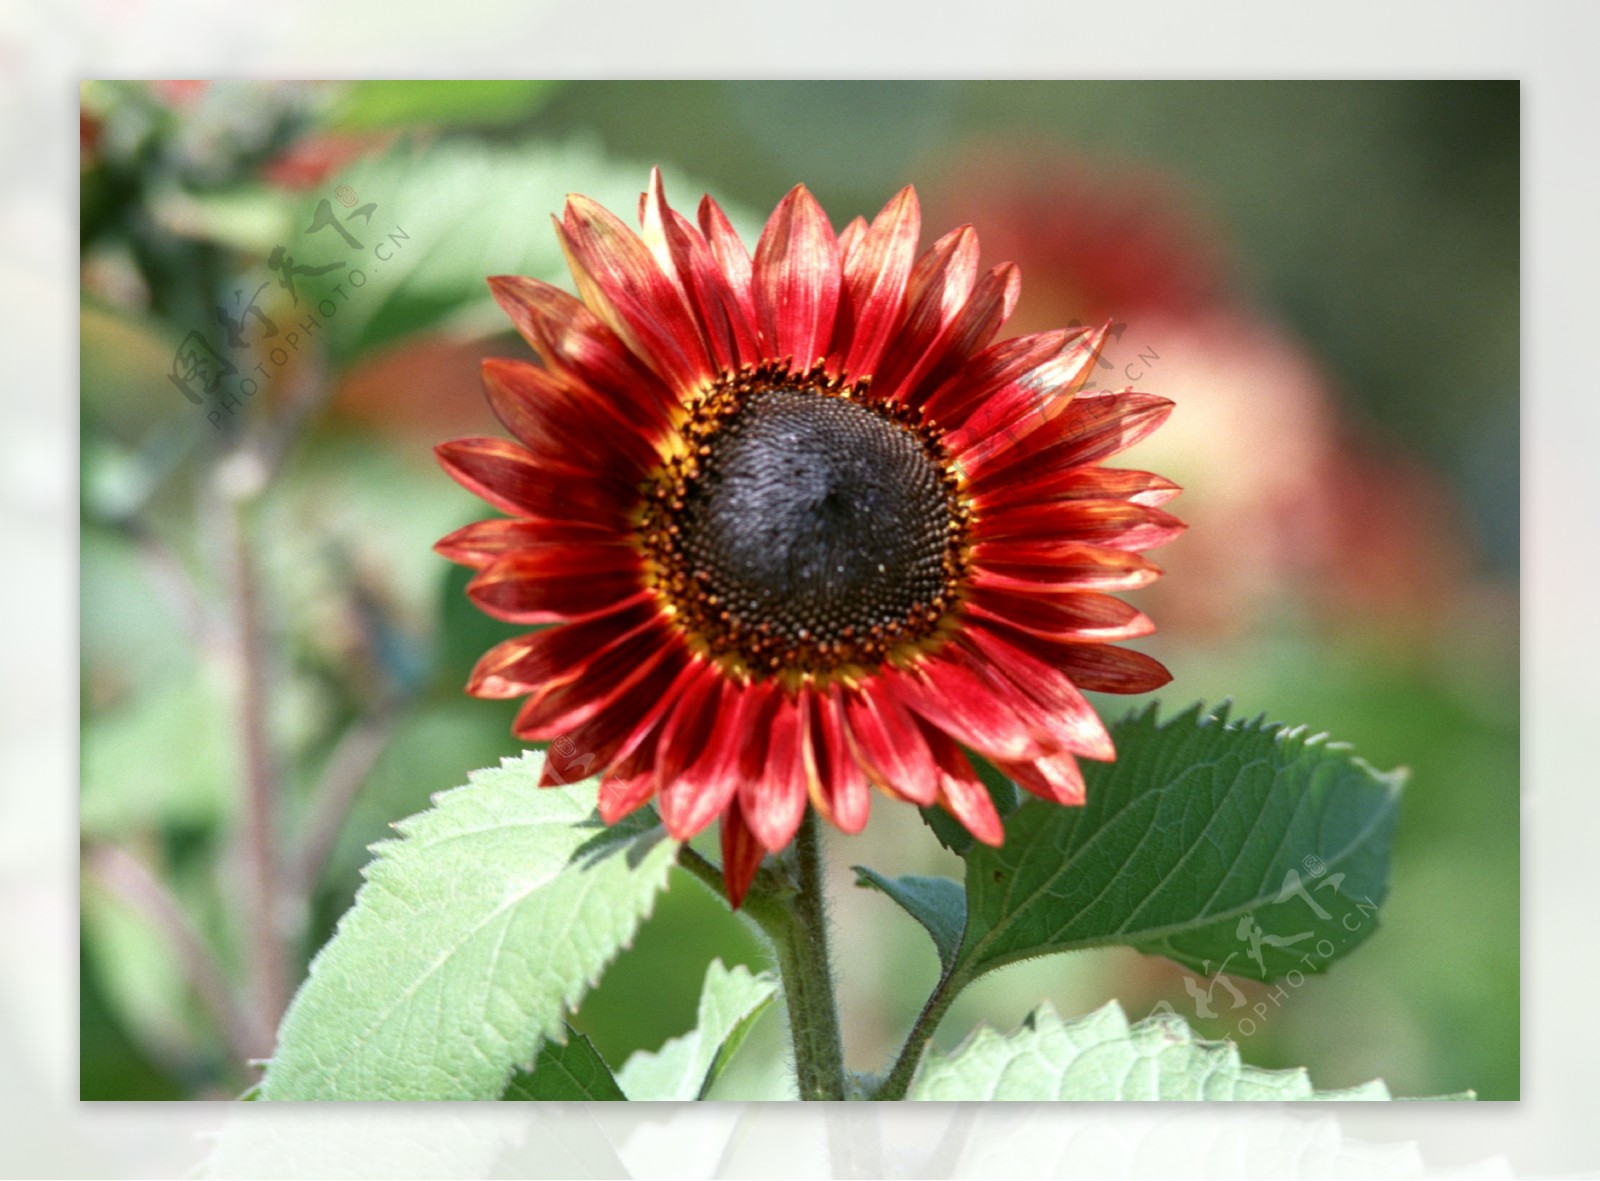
(709, 875)
(802, 944)
(898, 1081)
(790, 910)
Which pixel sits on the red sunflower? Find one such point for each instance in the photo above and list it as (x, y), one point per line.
(803, 529)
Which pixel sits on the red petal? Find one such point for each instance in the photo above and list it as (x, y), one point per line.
(1071, 617)
(1089, 663)
(568, 582)
(1038, 527)
(741, 854)
(1074, 566)
(512, 479)
(1056, 778)
(527, 663)
(564, 428)
(841, 793)
(482, 542)
(560, 708)
(1035, 399)
(796, 280)
(730, 254)
(699, 793)
(889, 744)
(937, 291)
(875, 274)
(1081, 483)
(991, 371)
(619, 797)
(774, 802)
(849, 241)
(687, 259)
(1105, 669)
(974, 707)
(615, 738)
(653, 217)
(1091, 428)
(688, 728)
(1071, 721)
(989, 307)
(962, 794)
(577, 346)
(727, 326)
(622, 283)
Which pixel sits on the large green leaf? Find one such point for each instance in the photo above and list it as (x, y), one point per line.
(472, 934)
(1247, 848)
(686, 1066)
(570, 1071)
(1099, 1056)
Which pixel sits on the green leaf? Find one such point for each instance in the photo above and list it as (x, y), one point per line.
(686, 1066)
(1247, 848)
(570, 1072)
(492, 914)
(939, 904)
(1100, 1057)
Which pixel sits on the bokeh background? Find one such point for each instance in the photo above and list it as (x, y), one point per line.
(1323, 276)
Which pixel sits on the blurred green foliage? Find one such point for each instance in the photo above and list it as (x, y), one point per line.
(1378, 220)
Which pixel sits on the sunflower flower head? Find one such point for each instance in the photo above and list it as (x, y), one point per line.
(804, 530)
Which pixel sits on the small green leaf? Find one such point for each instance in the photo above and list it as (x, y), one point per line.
(1246, 848)
(1099, 1057)
(686, 1066)
(471, 936)
(939, 904)
(573, 1072)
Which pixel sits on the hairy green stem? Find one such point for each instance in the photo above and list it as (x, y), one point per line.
(898, 1081)
(790, 910)
(709, 875)
(801, 939)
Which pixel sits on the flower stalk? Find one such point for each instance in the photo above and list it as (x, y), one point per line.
(898, 1081)
(790, 909)
(801, 939)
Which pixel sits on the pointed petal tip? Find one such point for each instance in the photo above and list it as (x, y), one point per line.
(655, 192)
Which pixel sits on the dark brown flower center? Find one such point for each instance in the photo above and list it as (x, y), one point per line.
(806, 528)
